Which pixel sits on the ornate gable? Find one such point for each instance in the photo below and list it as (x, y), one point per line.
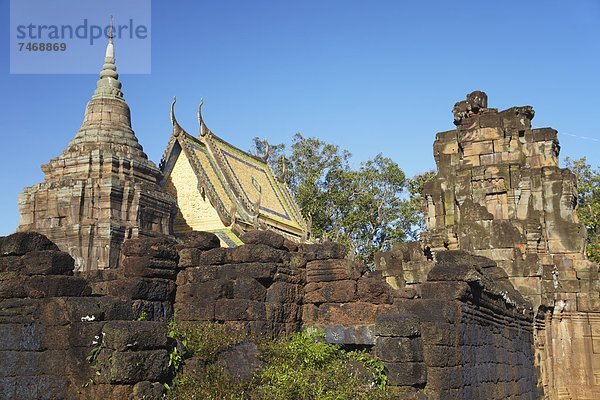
(241, 188)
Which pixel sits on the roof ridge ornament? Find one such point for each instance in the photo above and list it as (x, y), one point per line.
(203, 128)
(265, 156)
(281, 177)
(177, 129)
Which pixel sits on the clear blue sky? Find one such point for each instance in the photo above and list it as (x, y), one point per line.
(372, 77)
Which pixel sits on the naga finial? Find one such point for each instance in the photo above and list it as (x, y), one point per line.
(265, 157)
(176, 127)
(200, 120)
(282, 169)
(173, 120)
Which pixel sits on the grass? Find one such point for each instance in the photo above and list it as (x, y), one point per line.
(300, 366)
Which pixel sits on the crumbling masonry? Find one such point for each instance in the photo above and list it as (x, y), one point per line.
(497, 302)
(102, 189)
(499, 193)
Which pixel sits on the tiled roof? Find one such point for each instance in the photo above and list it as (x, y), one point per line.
(238, 184)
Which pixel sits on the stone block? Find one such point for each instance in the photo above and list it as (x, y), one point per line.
(323, 251)
(140, 289)
(442, 356)
(483, 147)
(330, 292)
(350, 313)
(12, 264)
(437, 333)
(263, 272)
(332, 270)
(260, 253)
(199, 241)
(56, 286)
(12, 288)
(131, 367)
(397, 325)
(94, 309)
(406, 374)
(47, 262)
(374, 290)
(241, 361)
(349, 334)
(199, 310)
(290, 246)
(22, 337)
(446, 290)
(398, 349)
(135, 335)
(21, 243)
(160, 247)
(282, 313)
(216, 256)
(34, 387)
(239, 310)
(248, 288)
(148, 390)
(267, 238)
(283, 292)
(207, 290)
(149, 267)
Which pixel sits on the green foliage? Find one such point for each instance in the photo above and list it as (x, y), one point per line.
(298, 366)
(212, 384)
(99, 361)
(588, 186)
(366, 209)
(302, 366)
(208, 339)
(143, 316)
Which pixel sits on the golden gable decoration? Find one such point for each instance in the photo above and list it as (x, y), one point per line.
(222, 189)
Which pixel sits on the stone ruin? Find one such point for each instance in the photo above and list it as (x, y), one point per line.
(102, 189)
(499, 193)
(464, 335)
(497, 302)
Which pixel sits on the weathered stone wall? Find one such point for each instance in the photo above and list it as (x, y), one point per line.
(58, 339)
(469, 336)
(256, 287)
(464, 332)
(568, 349)
(341, 296)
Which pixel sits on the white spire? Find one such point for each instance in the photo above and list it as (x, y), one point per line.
(108, 84)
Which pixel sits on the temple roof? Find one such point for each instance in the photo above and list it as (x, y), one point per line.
(241, 187)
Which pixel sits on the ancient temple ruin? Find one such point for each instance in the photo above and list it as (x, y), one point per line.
(102, 189)
(497, 300)
(500, 193)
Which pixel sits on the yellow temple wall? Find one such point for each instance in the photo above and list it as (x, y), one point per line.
(195, 213)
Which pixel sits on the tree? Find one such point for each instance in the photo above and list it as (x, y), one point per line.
(588, 199)
(366, 209)
(379, 213)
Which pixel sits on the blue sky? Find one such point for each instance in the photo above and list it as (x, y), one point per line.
(373, 77)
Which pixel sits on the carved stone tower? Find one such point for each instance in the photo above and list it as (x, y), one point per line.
(102, 189)
(500, 193)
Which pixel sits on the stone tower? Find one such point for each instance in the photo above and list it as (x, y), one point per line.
(102, 189)
(500, 193)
